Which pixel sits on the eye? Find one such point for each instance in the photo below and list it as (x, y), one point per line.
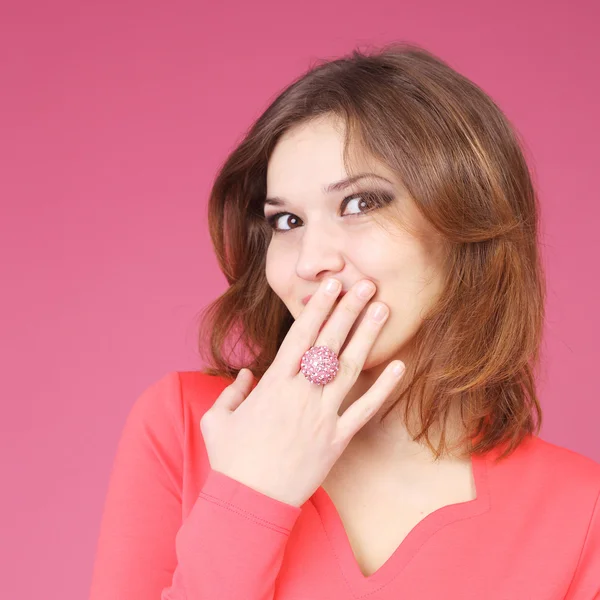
(361, 203)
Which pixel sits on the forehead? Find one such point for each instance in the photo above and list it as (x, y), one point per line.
(309, 157)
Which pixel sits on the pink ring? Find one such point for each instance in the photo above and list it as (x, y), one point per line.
(319, 365)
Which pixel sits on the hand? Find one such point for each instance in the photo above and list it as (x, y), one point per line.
(283, 437)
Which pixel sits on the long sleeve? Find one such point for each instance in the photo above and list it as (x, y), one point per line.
(586, 581)
(232, 543)
(135, 556)
(229, 546)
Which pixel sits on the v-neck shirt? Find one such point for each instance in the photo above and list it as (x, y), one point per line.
(417, 537)
(175, 529)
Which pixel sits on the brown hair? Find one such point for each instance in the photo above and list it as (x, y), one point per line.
(462, 163)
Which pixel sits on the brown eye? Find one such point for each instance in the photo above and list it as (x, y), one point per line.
(276, 220)
(358, 201)
(365, 202)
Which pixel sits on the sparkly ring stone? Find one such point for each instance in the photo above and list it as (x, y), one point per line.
(319, 365)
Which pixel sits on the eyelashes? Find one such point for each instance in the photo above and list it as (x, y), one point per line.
(373, 200)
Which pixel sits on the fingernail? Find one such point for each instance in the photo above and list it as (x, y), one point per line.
(365, 289)
(398, 369)
(379, 313)
(333, 285)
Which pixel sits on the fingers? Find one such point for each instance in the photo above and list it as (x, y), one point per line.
(356, 351)
(236, 392)
(304, 330)
(344, 316)
(361, 411)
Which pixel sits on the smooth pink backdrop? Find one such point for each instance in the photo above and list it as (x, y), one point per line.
(115, 117)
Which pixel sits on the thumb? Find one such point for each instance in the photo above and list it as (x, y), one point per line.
(237, 391)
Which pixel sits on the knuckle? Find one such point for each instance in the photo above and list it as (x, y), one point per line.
(305, 332)
(340, 442)
(350, 368)
(370, 407)
(368, 412)
(330, 342)
(351, 309)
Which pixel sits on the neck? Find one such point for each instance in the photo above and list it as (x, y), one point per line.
(390, 439)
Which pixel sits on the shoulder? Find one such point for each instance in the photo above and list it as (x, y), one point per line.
(199, 390)
(540, 473)
(173, 399)
(555, 461)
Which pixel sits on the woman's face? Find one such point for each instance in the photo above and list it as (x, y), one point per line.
(324, 234)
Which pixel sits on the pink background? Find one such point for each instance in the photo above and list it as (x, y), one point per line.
(115, 118)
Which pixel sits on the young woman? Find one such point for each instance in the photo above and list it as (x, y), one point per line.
(378, 228)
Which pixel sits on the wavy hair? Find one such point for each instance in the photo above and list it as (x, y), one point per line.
(464, 167)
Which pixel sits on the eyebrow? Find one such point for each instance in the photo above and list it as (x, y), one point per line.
(328, 189)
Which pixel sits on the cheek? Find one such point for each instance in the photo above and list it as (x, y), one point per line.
(409, 302)
(279, 274)
(408, 284)
(272, 266)
(398, 331)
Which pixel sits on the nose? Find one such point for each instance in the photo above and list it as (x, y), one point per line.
(320, 253)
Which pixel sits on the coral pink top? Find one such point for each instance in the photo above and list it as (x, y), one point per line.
(174, 529)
